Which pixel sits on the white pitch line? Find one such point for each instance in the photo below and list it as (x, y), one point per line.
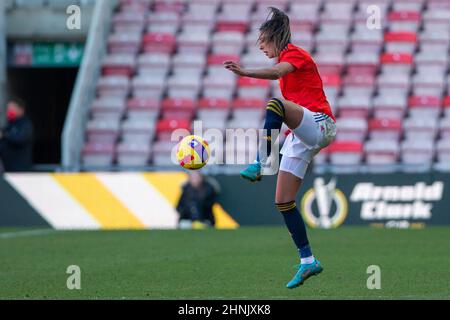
(27, 233)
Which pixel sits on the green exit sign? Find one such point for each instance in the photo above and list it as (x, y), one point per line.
(57, 54)
(46, 54)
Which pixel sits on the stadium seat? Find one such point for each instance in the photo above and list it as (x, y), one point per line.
(397, 84)
(385, 129)
(133, 154)
(394, 63)
(143, 108)
(108, 107)
(404, 20)
(424, 128)
(98, 154)
(351, 129)
(165, 127)
(248, 108)
(154, 64)
(162, 153)
(381, 152)
(119, 64)
(447, 106)
(428, 84)
(443, 155)
(390, 106)
(417, 152)
(138, 130)
(180, 86)
(218, 87)
(403, 42)
(178, 109)
(228, 42)
(425, 106)
(159, 42)
(359, 85)
(146, 86)
(345, 152)
(253, 88)
(103, 130)
(124, 42)
(117, 86)
(413, 5)
(351, 106)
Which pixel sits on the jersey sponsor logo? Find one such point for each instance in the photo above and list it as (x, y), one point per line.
(324, 206)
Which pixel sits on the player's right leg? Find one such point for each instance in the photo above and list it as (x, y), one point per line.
(292, 171)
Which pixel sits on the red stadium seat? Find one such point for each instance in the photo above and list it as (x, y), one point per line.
(385, 129)
(425, 106)
(178, 109)
(404, 20)
(346, 152)
(165, 127)
(219, 59)
(159, 42)
(400, 42)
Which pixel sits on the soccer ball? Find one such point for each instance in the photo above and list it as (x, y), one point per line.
(193, 152)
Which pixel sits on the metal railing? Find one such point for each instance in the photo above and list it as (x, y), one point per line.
(85, 85)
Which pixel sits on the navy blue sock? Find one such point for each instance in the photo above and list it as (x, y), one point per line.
(274, 120)
(296, 226)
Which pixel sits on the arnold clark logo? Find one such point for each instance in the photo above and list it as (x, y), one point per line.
(324, 206)
(407, 202)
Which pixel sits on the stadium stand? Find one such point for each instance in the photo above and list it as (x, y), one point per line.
(163, 69)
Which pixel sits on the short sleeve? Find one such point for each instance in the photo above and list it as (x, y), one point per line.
(294, 57)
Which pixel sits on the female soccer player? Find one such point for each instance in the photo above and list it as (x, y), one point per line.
(306, 111)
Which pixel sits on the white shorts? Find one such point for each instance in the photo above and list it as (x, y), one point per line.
(315, 132)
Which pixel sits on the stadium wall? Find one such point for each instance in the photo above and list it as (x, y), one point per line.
(148, 200)
(2, 63)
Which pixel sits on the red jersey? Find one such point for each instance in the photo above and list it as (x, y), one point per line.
(304, 85)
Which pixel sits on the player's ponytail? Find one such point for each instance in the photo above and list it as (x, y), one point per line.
(276, 29)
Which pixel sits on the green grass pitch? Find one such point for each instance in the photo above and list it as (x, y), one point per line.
(248, 263)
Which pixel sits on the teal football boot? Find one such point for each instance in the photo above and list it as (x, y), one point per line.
(253, 172)
(305, 271)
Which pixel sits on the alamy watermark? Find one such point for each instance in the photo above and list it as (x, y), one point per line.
(234, 146)
(374, 280)
(74, 280)
(73, 21)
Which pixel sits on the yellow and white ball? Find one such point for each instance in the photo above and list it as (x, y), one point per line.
(193, 152)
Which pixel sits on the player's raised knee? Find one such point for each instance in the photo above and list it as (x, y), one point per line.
(276, 105)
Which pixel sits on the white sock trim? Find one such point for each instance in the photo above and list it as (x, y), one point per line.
(307, 260)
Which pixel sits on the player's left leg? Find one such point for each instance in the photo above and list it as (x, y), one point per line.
(290, 177)
(277, 112)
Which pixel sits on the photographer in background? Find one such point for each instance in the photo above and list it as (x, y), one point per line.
(196, 202)
(16, 139)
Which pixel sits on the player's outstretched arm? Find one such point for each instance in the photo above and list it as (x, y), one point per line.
(274, 73)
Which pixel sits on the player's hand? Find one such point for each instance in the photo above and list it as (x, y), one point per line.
(234, 67)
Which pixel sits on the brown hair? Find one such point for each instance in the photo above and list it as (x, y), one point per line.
(276, 29)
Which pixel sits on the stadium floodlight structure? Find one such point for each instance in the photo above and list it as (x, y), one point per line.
(2, 60)
(84, 90)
